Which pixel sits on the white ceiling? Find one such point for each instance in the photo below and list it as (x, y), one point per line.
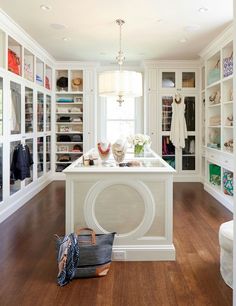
(93, 33)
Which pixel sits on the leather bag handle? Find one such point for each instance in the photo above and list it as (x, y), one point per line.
(93, 234)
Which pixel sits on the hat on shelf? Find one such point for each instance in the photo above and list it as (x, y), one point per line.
(62, 82)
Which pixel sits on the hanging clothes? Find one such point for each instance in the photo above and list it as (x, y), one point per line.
(15, 111)
(21, 162)
(178, 131)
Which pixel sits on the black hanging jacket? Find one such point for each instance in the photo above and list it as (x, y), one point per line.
(21, 162)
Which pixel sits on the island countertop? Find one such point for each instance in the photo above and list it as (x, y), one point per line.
(149, 162)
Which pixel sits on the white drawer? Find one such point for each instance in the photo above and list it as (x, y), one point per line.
(222, 159)
(227, 161)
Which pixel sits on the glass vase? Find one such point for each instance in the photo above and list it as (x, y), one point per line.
(139, 150)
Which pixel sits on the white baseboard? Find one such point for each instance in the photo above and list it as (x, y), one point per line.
(187, 178)
(24, 196)
(225, 200)
(143, 252)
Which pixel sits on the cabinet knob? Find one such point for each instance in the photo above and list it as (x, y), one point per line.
(149, 89)
(226, 161)
(91, 90)
(152, 133)
(89, 133)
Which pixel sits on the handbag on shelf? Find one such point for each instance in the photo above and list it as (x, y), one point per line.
(228, 66)
(214, 74)
(93, 254)
(13, 62)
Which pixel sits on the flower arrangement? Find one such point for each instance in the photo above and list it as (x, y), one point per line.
(139, 141)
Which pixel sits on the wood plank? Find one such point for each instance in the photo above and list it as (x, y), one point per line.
(28, 259)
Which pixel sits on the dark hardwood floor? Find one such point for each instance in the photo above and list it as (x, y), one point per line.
(28, 263)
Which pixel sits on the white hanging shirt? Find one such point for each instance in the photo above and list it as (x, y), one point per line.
(178, 130)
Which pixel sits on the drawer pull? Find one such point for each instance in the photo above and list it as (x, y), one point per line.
(226, 161)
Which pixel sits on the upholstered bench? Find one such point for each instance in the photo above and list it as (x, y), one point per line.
(226, 252)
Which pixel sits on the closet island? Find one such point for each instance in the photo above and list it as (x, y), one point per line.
(136, 202)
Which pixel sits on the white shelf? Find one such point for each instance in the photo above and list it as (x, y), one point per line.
(214, 84)
(69, 92)
(69, 103)
(228, 78)
(215, 105)
(75, 123)
(69, 113)
(70, 162)
(69, 133)
(228, 102)
(70, 152)
(228, 127)
(214, 126)
(67, 142)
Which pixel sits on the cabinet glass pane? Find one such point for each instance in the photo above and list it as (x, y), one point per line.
(48, 153)
(168, 79)
(48, 113)
(40, 146)
(40, 112)
(188, 79)
(189, 146)
(166, 112)
(30, 143)
(1, 106)
(190, 113)
(15, 185)
(170, 160)
(167, 146)
(188, 163)
(1, 176)
(15, 108)
(28, 110)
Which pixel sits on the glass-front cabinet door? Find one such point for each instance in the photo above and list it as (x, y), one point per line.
(30, 144)
(48, 153)
(15, 108)
(1, 106)
(189, 152)
(48, 113)
(168, 79)
(188, 79)
(29, 110)
(40, 157)
(177, 79)
(40, 112)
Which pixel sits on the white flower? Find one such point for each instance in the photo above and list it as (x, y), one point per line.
(139, 139)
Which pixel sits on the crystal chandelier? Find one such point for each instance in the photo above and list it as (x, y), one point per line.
(120, 83)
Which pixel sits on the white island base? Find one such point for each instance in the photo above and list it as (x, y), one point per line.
(134, 202)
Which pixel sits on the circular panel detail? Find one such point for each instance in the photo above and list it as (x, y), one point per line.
(114, 207)
(139, 191)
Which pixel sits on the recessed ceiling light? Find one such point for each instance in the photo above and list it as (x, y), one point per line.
(102, 53)
(159, 20)
(203, 9)
(45, 7)
(192, 27)
(183, 40)
(57, 26)
(66, 38)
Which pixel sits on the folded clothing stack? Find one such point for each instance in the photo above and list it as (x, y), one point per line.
(64, 119)
(215, 120)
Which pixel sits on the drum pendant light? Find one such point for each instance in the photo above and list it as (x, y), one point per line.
(120, 83)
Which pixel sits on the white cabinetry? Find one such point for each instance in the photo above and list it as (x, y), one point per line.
(219, 139)
(25, 114)
(162, 82)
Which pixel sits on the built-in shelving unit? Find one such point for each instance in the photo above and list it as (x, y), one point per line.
(69, 117)
(219, 122)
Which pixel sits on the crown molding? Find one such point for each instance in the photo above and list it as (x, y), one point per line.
(221, 40)
(12, 29)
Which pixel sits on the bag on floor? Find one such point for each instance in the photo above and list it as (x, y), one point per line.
(87, 254)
